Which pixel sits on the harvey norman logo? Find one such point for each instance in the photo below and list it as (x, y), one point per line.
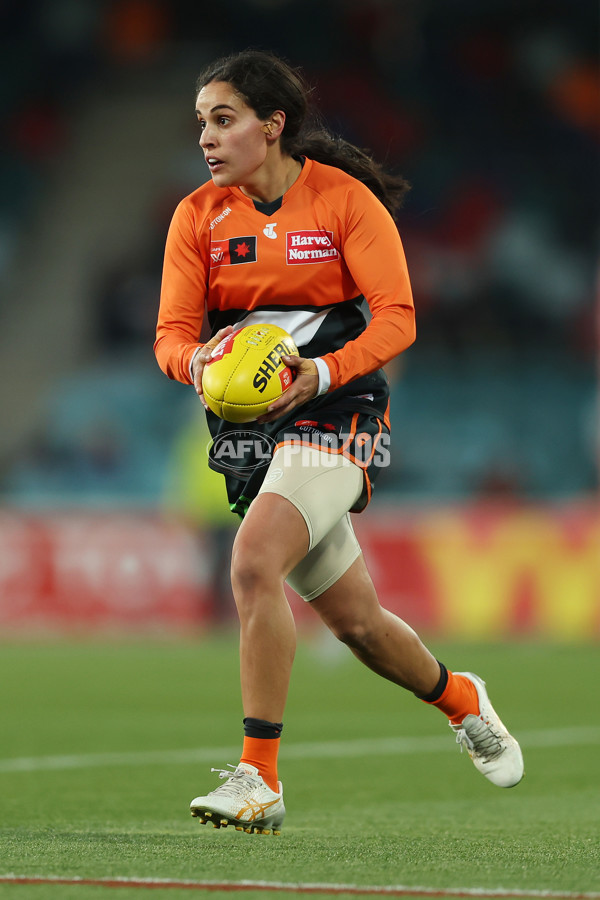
(310, 247)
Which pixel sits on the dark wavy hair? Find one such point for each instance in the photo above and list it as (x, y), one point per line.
(268, 83)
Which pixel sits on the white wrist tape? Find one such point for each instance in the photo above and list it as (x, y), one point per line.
(324, 376)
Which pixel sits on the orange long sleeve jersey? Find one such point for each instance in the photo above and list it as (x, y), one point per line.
(305, 266)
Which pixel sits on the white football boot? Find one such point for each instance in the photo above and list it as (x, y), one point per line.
(244, 801)
(494, 751)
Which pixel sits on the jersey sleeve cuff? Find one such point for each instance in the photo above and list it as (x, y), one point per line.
(324, 376)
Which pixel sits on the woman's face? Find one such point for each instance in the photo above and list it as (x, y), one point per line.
(233, 140)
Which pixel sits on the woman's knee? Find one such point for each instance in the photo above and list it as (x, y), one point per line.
(271, 540)
(251, 567)
(355, 633)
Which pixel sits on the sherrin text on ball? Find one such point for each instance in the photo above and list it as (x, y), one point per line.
(245, 373)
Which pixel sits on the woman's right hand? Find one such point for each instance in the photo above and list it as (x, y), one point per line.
(203, 356)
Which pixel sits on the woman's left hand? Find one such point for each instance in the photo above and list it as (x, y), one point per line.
(303, 388)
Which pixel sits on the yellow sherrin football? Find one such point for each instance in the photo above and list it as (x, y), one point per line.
(246, 374)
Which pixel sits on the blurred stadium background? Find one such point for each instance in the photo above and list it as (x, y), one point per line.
(487, 523)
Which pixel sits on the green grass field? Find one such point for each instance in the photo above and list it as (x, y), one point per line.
(105, 744)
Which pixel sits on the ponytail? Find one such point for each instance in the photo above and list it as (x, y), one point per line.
(325, 148)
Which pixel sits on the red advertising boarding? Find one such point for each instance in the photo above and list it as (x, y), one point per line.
(481, 572)
(73, 571)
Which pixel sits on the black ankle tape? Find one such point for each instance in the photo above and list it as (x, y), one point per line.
(260, 728)
(440, 686)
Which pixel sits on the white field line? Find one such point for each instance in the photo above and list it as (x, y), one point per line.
(398, 890)
(393, 746)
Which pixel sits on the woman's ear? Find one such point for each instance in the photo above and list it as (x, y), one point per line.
(275, 125)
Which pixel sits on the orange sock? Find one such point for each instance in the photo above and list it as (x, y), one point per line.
(262, 753)
(459, 699)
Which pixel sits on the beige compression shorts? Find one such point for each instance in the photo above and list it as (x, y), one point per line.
(323, 487)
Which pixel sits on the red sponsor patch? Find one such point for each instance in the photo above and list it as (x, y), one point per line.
(308, 422)
(286, 378)
(310, 247)
(219, 253)
(233, 251)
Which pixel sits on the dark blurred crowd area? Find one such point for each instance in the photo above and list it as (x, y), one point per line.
(491, 110)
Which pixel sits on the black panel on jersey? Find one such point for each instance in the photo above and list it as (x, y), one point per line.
(268, 208)
(344, 322)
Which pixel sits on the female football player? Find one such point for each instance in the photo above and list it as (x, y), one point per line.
(295, 228)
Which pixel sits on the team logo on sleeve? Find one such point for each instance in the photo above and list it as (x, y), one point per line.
(233, 251)
(310, 247)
